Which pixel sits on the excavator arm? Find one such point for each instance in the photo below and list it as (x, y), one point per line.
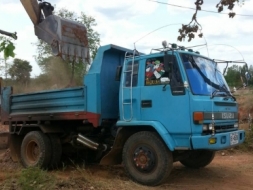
(67, 38)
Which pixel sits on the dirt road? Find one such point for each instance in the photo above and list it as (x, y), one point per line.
(234, 170)
(229, 170)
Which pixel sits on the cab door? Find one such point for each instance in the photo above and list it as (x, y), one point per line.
(130, 92)
(168, 103)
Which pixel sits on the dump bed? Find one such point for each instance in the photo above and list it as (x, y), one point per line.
(95, 101)
(69, 103)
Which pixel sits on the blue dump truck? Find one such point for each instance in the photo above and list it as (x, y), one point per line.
(144, 111)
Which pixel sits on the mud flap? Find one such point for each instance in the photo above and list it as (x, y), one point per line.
(115, 155)
(15, 142)
(4, 140)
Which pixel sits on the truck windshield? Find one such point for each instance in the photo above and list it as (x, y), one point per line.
(204, 76)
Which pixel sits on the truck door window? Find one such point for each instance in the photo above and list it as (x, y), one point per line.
(154, 71)
(129, 69)
(176, 78)
(176, 81)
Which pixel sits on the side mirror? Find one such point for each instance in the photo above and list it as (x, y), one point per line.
(165, 80)
(118, 73)
(168, 62)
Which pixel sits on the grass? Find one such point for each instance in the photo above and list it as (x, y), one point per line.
(35, 179)
(245, 101)
(247, 145)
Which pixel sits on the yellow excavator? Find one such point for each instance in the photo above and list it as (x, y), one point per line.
(68, 39)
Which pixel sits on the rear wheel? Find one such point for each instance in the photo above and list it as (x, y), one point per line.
(36, 150)
(198, 159)
(147, 159)
(56, 150)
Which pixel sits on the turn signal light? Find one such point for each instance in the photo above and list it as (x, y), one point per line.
(198, 117)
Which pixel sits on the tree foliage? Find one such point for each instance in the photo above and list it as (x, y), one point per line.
(190, 30)
(251, 74)
(7, 47)
(20, 71)
(235, 75)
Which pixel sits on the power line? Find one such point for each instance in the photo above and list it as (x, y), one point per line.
(179, 6)
(156, 30)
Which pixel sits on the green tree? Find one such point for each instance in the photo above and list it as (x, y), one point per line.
(233, 76)
(20, 71)
(7, 47)
(251, 73)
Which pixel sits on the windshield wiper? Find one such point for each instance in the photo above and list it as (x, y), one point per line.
(218, 88)
(214, 93)
(228, 93)
(230, 96)
(222, 89)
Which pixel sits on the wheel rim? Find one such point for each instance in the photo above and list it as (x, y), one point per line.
(144, 159)
(32, 152)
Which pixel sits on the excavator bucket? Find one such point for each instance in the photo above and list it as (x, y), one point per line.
(68, 39)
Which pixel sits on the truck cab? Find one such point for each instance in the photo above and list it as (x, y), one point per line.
(174, 105)
(186, 99)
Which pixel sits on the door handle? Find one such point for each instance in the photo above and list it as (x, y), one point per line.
(146, 103)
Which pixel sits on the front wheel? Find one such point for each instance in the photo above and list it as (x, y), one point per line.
(198, 159)
(147, 159)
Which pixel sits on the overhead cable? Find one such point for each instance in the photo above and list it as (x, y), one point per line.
(179, 6)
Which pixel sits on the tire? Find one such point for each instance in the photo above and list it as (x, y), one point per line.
(146, 159)
(198, 159)
(36, 150)
(56, 151)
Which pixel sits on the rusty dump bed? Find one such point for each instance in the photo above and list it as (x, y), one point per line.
(64, 104)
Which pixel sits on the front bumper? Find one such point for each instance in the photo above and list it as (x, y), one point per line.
(223, 141)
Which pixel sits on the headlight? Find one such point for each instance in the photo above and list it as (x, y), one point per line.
(236, 125)
(210, 127)
(205, 127)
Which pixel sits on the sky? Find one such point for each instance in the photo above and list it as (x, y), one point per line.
(144, 23)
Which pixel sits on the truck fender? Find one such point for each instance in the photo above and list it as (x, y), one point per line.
(164, 134)
(114, 156)
(126, 130)
(157, 126)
